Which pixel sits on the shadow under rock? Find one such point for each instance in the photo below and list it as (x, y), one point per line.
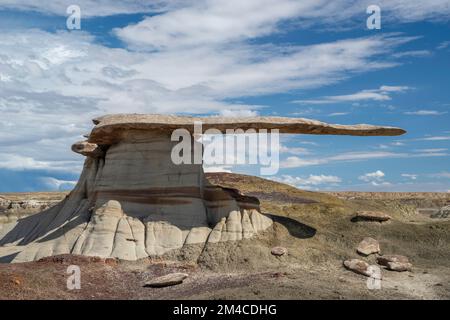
(294, 227)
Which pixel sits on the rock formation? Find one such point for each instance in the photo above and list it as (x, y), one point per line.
(132, 201)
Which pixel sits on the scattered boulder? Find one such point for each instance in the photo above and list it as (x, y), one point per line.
(358, 266)
(278, 251)
(399, 266)
(167, 280)
(384, 259)
(395, 262)
(368, 246)
(372, 216)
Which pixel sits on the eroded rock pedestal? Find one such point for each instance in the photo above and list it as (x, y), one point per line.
(132, 201)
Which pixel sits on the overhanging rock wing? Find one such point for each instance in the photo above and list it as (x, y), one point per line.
(132, 201)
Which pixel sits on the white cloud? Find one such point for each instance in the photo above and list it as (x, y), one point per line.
(309, 11)
(380, 94)
(376, 178)
(212, 22)
(18, 163)
(59, 81)
(90, 8)
(295, 162)
(351, 156)
(238, 113)
(432, 150)
(57, 184)
(377, 175)
(337, 114)
(415, 54)
(443, 45)
(410, 176)
(217, 169)
(312, 180)
(217, 21)
(425, 113)
(54, 83)
(441, 175)
(293, 150)
(436, 138)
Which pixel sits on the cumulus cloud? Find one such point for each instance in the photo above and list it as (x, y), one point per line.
(377, 175)
(375, 178)
(56, 184)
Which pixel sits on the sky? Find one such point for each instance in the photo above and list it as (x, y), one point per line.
(294, 58)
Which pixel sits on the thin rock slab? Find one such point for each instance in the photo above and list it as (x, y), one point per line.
(170, 279)
(368, 246)
(372, 216)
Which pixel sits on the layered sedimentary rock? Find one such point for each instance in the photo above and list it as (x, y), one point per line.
(132, 201)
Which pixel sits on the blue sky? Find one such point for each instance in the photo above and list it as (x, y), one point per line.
(311, 59)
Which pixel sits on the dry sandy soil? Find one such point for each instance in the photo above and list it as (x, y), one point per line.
(316, 228)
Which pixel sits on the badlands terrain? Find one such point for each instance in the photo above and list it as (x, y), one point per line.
(318, 230)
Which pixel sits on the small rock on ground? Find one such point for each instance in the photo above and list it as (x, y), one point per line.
(167, 280)
(399, 266)
(278, 251)
(358, 266)
(368, 246)
(395, 262)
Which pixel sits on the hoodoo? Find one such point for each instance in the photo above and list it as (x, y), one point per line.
(132, 201)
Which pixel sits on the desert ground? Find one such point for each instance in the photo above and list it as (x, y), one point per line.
(317, 229)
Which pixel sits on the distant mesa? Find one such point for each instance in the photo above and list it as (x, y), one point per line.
(132, 201)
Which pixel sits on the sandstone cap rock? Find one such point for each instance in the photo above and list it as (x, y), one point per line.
(110, 128)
